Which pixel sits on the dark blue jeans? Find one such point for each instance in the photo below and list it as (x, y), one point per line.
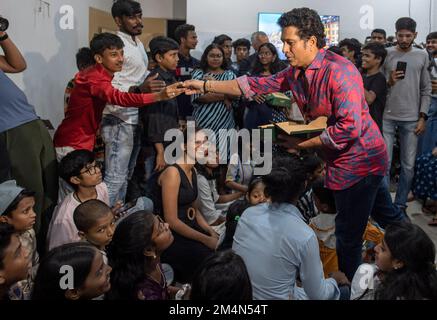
(368, 197)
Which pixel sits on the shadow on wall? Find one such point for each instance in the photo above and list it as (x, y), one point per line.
(45, 81)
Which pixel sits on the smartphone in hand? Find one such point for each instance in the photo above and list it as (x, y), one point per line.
(401, 66)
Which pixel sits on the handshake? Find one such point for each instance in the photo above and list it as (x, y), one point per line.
(153, 85)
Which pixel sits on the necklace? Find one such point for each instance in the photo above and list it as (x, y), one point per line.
(163, 285)
(76, 196)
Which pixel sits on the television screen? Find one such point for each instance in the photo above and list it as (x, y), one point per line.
(267, 22)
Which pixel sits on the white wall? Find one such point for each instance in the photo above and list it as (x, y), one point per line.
(50, 51)
(240, 17)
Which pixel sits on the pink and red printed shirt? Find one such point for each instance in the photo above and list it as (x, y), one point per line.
(332, 86)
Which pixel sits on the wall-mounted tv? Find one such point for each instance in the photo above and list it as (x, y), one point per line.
(267, 22)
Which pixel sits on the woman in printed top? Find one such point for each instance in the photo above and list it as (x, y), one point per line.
(325, 84)
(92, 90)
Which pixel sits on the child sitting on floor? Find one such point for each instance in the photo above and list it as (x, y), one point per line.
(254, 196)
(324, 227)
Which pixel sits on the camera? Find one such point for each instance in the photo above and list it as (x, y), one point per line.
(4, 24)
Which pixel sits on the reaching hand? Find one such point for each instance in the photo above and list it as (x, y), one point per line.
(152, 85)
(259, 98)
(171, 91)
(193, 87)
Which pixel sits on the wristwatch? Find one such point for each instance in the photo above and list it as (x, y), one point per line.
(423, 115)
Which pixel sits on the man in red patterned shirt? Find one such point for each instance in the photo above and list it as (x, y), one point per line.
(325, 84)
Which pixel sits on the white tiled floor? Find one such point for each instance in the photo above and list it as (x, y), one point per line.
(416, 215)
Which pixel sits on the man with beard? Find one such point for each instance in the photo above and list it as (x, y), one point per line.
(408, 102)
(119, 128)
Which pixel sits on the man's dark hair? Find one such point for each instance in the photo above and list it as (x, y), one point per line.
(73, 163)
(204, 60)
(377, 49)
(126, 8)
(182, 31)
(406, 23)
(161, 45)
(431, 36)
(307, 21)
(325, 195)
(103, 41)
(336, 49)
(380, 31)
(84, 58)
(6, 232)
(241, 43)
(220, 40)
(87, 213)
(352, 45)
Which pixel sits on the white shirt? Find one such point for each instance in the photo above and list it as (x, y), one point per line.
(62, 229)
(133, 73)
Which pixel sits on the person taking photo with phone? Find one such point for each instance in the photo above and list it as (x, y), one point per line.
(409, 97)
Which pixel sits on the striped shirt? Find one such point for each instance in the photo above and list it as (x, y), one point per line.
(214, 115)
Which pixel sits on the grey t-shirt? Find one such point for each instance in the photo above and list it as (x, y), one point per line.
(14, 108)
(412, 95)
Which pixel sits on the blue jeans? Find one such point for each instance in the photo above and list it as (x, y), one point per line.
(368, 197)
(428, 140)
(122, 145)
(408, 145)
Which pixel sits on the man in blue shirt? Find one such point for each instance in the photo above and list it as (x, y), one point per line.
(25, 138)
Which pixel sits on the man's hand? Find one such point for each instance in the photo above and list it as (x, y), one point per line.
(340, 278)
(160, 162)
(193, 87)
(259, 98)
(152, 85)
(171, 92)
(395, 76)
(291, 144)
(115, 208)
(421, 126)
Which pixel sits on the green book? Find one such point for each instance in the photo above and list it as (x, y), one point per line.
(278, 99)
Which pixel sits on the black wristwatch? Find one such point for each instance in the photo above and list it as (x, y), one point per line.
(423, 115)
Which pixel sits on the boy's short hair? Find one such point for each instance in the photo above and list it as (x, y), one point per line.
(84, 58)
(103, 41)
(6, 232)
(220, 40)
(377, 49)
(406, 23)
(73, 163)
(161, 45)
(241, 43)
(182, 31)
(325, 195)
(87, 213)
(126, 8)
(380, 31)
(352, 45)
(431, 36)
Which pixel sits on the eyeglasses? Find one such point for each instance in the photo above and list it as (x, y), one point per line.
(265, 54)
(215, 56)
(92, 169)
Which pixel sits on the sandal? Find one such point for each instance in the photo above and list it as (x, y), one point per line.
(433, 222)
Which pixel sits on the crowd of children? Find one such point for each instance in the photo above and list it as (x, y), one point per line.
(196, 230)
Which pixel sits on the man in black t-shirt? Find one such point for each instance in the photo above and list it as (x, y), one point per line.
(187, 38)
(375, 83)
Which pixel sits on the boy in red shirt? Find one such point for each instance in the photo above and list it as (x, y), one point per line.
(93, 89)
